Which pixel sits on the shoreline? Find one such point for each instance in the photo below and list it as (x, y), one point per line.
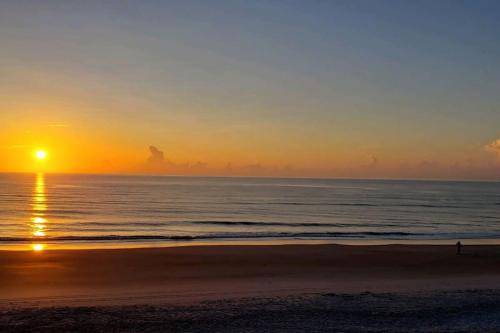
(178, 275)
(124, 245)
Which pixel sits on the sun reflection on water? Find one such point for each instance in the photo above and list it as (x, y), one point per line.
(38, 247)
(39, 206)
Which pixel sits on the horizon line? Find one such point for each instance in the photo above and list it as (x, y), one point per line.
(258, 177)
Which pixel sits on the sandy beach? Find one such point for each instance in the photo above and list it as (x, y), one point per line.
(201, 273)
(251, 288)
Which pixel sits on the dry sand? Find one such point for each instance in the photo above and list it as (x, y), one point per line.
(185, 275)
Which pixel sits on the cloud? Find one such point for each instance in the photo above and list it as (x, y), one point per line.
(493, 147)
(371, 166)
(157, 162)
(156, 156)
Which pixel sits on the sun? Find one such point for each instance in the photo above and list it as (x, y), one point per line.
(41, 154)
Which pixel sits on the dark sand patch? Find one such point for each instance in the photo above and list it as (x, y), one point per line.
(445, 311)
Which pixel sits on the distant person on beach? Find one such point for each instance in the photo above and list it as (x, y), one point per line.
(459, 248)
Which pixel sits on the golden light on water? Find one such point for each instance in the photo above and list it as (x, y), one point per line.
(38, 247)
(39, 233)
(39, 206)
(39, 198)
(39, 220)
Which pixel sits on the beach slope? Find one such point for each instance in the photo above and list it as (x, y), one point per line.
(206, 273)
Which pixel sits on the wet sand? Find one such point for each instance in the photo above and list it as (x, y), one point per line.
(185, 275)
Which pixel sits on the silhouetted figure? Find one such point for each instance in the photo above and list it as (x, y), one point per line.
(459, 248)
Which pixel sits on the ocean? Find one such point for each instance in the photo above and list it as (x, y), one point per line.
(51, 210)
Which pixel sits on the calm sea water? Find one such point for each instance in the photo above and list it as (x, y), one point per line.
(63, 209)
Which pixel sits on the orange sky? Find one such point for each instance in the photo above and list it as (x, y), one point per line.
(75, 148)
(385, 91)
